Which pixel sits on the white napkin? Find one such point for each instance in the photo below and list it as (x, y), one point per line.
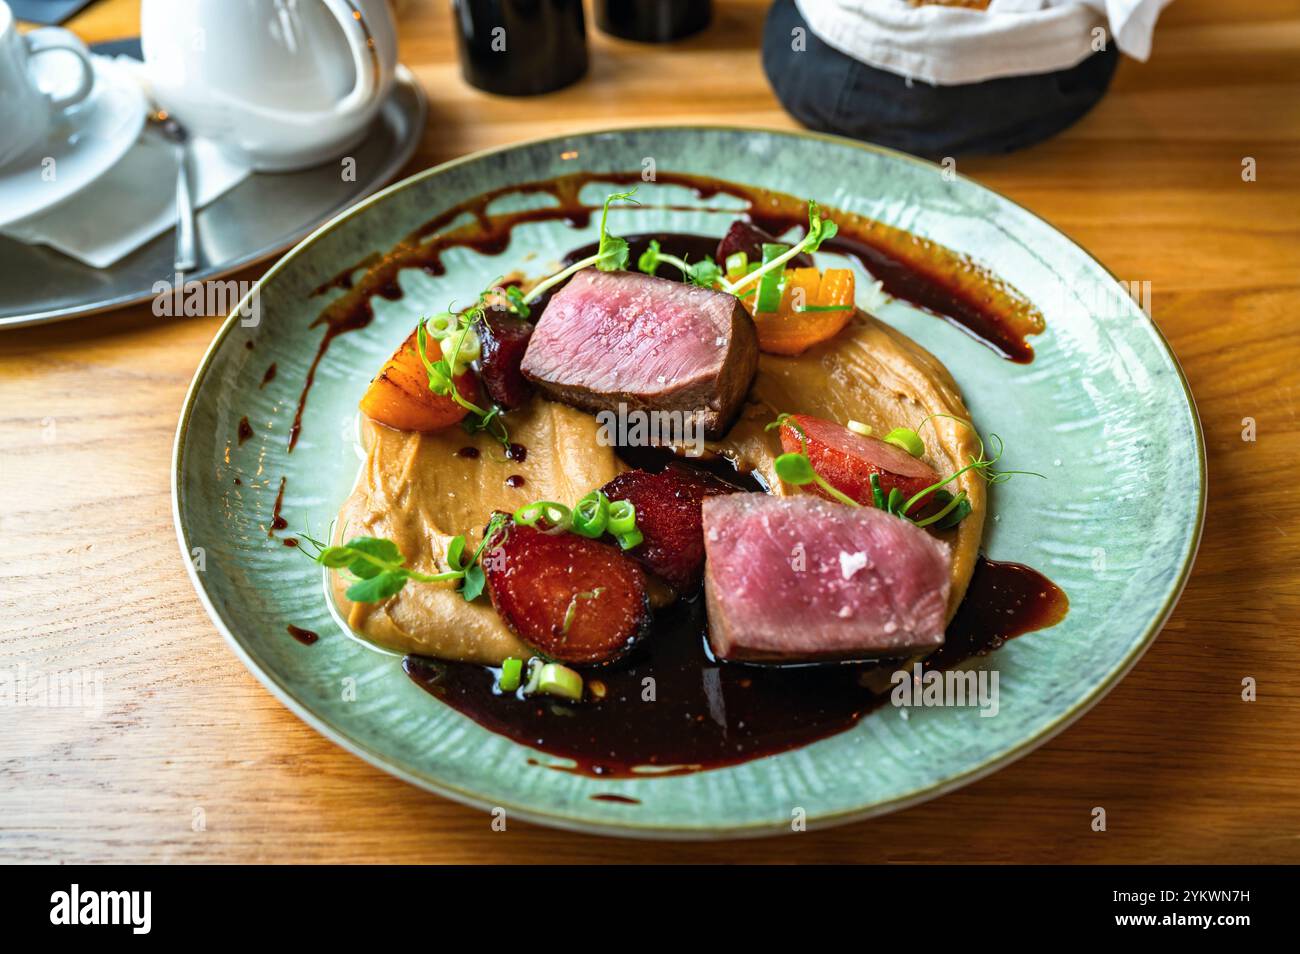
(950, 46)
(132, 203)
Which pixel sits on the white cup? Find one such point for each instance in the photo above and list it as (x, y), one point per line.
(27, 112)
(276, 84)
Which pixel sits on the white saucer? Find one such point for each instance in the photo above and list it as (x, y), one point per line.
(89, 141)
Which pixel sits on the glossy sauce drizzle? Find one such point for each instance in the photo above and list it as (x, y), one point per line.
(707, 714)
(277, 520)
(304, 636)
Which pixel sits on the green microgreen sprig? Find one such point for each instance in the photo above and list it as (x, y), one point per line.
(705, 273)
(611, 254)
(378, 567)
(796, 467)
(820, 230)
(442, 380)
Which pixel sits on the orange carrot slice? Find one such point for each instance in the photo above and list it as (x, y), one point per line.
(400, 397)
(792, 330)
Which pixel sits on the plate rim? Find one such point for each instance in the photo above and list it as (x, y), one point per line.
(629, 828)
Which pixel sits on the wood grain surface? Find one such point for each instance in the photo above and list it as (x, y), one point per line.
(192, 760)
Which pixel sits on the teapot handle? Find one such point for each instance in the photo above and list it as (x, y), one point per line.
(365, 59)
(365, 64)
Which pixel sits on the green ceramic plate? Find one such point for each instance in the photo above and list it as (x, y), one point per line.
(1103, 410)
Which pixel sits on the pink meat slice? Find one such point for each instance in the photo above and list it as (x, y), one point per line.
(625, 337)
(800, 579)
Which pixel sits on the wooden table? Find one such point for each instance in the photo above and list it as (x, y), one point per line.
(1186, 770)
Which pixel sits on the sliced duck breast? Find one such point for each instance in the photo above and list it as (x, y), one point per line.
(611, 338)
(800, 579)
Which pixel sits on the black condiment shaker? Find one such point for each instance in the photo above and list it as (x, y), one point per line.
(520, 47)
(653, 21)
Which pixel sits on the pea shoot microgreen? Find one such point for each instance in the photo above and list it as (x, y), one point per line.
(378, 568)
(611, 254)
(376, 565)
(704, 273)
(954, 509)
(820, 230)
(796, 468)
(515, 301)
(442, 373)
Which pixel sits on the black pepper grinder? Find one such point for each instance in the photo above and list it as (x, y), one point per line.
(520, 47)
(653, 21)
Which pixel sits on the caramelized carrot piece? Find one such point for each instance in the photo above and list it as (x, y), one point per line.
(791, 330)
(400, 397)
(836, 288)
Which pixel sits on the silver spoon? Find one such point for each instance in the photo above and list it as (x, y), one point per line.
(187, 251)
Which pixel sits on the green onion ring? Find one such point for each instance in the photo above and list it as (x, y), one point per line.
(769, 286)
(591, 515)
(441, 325)
(627, 541)
(557, 516)
(622, 518)
(907, 439)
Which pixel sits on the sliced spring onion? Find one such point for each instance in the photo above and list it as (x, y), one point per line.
(470, 348)
(572, 609)
(630, 539)
(512, 671)
(591, 515)
(736, 262)
(534, 675)
(769, 286)
(622, 517)
(559, 680)
(441, 325)
(907, 439)
(556, 516)
(857, 427)
(795, 468)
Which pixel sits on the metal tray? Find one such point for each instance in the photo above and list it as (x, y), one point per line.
(260, 217)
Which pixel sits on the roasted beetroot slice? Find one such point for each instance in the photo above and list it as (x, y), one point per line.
(538, 580)
(749, 238)
(668, 515)
(847, 460)
(505, 339)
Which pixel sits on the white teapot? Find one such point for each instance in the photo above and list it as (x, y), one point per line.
(276, 84)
